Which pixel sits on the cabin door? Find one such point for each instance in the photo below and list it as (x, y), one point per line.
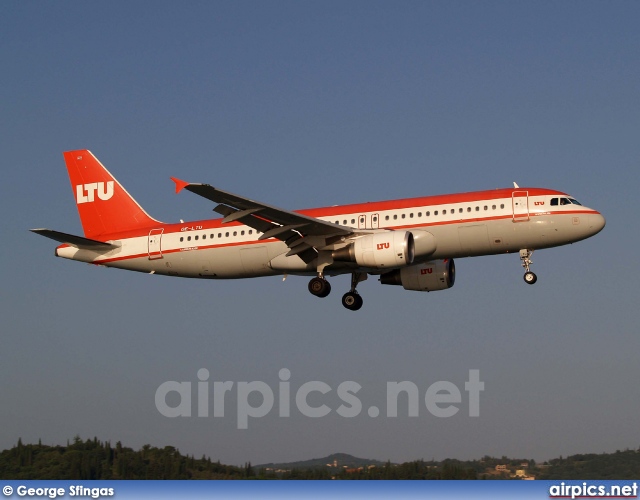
(520, 203)
(154, 248)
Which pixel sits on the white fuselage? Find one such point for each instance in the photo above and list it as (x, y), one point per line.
(463, 225)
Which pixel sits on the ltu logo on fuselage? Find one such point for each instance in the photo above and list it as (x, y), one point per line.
(85, 193)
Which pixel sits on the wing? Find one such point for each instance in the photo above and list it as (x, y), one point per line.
(303, 235)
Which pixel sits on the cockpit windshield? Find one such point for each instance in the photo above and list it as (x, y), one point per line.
(564, 201)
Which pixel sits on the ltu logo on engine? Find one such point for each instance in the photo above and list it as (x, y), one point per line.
(85, 193)
(428, 270)
(382, 246)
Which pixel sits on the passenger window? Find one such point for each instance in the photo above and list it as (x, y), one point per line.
(226, 234)
(235, 233)
(411, 216)
(395, 217)
(428, 213)
(468, 209)
(419, 214)
(477, 209)
(486, 207)
(460, 210)
(375, 218)
(250, 231)
(403, 216)
(204, 236)
(435, 212)
(502, 205)
(353, 221)
(241, 233)
(181, 238)
(386, 217)
(219, 235)
(211, 235)
(493, 207)
(188, 238)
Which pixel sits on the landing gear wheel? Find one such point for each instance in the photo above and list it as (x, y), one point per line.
(525, 256)
(319, 287)
(352, 301)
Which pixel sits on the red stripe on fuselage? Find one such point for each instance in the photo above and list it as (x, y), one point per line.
(427, 201)
(194, 248)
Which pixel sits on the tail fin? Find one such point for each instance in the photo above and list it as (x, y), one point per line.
(104, 205)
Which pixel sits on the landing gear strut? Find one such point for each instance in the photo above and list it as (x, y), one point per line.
(352, 300)
(319, 286)
(525, 256)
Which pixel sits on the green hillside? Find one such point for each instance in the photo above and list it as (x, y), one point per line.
(93, 459)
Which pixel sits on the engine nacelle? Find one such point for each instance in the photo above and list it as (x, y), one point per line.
(427, 277)
(386, 249)
(425, 243)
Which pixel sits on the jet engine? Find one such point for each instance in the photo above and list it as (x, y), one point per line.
(427, 277)
(379, 250)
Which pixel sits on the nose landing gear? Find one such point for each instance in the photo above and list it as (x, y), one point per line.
(525, 256)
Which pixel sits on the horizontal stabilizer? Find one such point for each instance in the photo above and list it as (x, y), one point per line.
(76, 241)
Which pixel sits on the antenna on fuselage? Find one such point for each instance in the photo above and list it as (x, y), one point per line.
(515, 185)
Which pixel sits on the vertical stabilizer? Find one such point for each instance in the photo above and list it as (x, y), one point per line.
(104, 206)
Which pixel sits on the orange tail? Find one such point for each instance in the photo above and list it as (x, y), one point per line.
(104, 206)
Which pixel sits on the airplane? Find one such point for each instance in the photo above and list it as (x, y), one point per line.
(408, 242)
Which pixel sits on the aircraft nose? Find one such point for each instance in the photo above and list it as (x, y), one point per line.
(596, 222)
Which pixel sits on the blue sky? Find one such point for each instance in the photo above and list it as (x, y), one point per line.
(303, 104)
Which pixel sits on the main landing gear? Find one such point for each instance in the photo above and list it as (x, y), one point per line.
(525, 256)
(352, 300)
(320, 287)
